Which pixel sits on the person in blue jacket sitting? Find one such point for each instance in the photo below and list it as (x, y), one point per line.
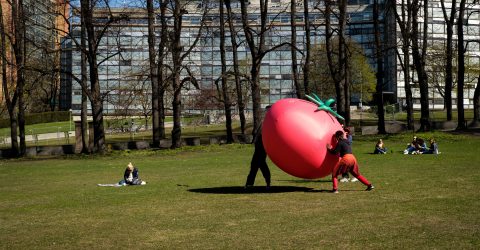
(130, 177)
(380, 147)
(433, 149)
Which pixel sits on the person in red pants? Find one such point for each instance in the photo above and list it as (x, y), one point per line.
(348, 162)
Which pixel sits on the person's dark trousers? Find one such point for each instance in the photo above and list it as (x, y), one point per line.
(258, 162)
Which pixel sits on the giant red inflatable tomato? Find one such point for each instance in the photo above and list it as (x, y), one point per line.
(295, 134)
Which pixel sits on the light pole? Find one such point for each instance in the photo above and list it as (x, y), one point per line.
(361, 102)
(70, 121)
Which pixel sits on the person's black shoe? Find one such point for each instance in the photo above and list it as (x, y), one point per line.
(370, 188)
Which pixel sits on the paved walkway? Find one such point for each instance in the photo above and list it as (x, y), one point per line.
(62, 135)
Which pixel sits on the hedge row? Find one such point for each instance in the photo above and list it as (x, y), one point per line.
(46, 117)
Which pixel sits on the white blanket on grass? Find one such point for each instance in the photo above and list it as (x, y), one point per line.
(118, 184)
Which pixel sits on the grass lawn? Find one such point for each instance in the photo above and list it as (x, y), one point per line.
(194, 199)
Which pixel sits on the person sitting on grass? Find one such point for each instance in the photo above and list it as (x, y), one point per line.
(130, 177)
(411, 147)
(380, 147)
(433, 149)
(421, 146)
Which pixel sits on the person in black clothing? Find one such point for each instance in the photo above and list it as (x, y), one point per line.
(258, 160)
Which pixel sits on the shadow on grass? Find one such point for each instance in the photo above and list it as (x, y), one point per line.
(255, 189)
(330, 191)
(304, 181)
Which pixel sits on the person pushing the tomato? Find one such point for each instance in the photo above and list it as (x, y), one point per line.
(258, 160)
(347, 163)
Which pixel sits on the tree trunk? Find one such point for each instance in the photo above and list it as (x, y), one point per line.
(226, 98)
(84, 124)
(425, 108)
(461, 66)
(419, 62)
(19, 54)
(293, 49)
(347, 89)
(178, 57)
(343, 109)
(255, 52)
(380, 72)
(238, 86)
(408, 88)
(10, 101)
(84, 80)
(405, 23)
(176, 82)
(336, 68)
(96, 97)
(162, 83)
(153, 74)
(449, 23)
(476, 105)
(306, 65)
(176, 105)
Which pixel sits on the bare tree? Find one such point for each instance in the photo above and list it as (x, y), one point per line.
(363, 76)
(152, 54)
(8, 84)
(179, 53)
(419, 59)
(255, 40)
(93, 36)
(157, 68)
(345, 55)
(236, 71)
(226, 99)
(449, 23)
(19, 54)
(144, 100)
(380, 71)
(461, 66)
(161, 69)
(84, 84)
(404, 21)
(436, 71)
(339, 68)
(13, 66)
(306, 64)
(293, 49)
(476, 95)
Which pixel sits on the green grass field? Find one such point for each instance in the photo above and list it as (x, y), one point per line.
(194, 199)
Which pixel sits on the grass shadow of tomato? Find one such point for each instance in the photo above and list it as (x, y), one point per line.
(254, 189)
(305, 181)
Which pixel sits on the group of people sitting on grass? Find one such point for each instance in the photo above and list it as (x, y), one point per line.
(417, 146)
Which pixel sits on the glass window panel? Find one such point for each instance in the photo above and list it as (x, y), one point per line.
(274, 69)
